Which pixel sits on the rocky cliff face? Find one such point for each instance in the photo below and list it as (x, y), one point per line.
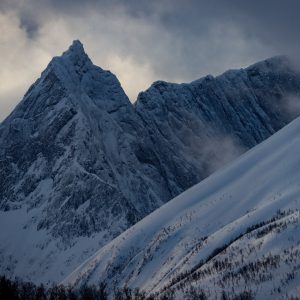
(80, 164)
(70, 146)
(201, 126)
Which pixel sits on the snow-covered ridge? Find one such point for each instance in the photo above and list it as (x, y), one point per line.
(174, 239)
(80, 164)
(201, 126)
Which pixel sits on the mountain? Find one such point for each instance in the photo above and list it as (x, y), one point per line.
(203, 125)
(235, 233)
(69, 169)
(80, 164)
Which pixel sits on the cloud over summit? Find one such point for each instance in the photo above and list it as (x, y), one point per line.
(142, 41)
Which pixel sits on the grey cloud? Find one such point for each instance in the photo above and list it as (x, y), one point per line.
(291, 105)
(198, 32)
(29, 25)
(171, 40)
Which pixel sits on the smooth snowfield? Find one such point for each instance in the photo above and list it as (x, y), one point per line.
(177, 236)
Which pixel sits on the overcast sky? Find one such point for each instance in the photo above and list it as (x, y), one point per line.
(142, 41)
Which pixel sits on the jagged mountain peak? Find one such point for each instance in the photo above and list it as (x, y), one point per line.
(72, 66)
(72, 80)
(75, 56)
(77, 47)
(75, 132)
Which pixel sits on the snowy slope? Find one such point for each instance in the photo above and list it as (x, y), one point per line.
(263, 264)
(177, 238)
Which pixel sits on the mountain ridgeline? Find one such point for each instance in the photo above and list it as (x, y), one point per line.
(80, 163)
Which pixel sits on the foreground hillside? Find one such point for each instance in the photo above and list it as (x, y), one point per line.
(237, 232)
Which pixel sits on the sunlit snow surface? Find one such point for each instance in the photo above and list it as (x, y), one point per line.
(173, 240)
